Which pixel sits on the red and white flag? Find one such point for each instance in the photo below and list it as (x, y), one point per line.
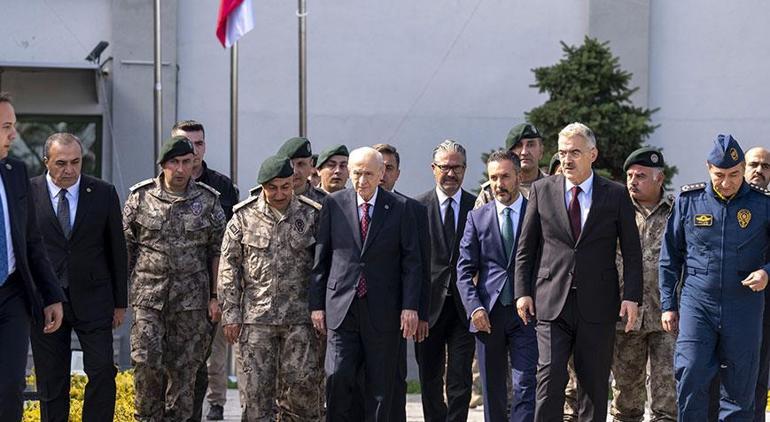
(236, 18)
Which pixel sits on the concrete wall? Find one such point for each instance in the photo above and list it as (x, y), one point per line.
(404, 72)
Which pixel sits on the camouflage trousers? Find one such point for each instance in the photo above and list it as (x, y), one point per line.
(279, 366)
(166, 349)
(633, 352)
(570, 393)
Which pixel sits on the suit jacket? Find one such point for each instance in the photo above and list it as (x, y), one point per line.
(389, 259)
(40, 283)
(420, 214)
(94, 256)
(589, 262)
(482, 252)
(443, 257)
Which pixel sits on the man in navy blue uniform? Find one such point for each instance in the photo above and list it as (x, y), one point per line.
(716, 241)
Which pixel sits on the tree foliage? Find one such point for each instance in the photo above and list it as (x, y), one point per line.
(587, 85)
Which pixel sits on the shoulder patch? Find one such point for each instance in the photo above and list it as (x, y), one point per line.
(245, 202)
(693, 187)
(208, 188)
(255, 190)
(759, 189)
(304, 199)
(141, 184)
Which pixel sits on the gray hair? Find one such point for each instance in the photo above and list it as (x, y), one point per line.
(62, 138)
(579, 129)
(449, 145)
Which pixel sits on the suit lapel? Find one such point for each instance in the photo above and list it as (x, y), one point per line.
(42, 194)
(466, 205)
(382, 207)
(350, 209)
(435, 210)
(563, 213)
(597, 198)
(494, 226)
(523, 209)
(10, 195)
(84, 203)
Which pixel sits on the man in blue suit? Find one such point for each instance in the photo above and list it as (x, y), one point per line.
(487, 249)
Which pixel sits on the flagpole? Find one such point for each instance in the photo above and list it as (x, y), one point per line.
(157, 93)
(302, 17)
(234, 112)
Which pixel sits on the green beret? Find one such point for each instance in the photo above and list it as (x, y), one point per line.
(647, 157)
(328, 153)
(519, 132)
(553, 163)
(296, 148)
(175, 147)
(273, 167)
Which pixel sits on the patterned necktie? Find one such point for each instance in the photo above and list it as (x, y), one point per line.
(63, 213)
(365, 219)
(3, 246)
(574, 213)
(506, 296)
(449, 223)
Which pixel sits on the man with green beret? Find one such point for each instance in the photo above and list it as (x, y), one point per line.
(301, 155)
(314, 178)
(333, 168)
(527, 143)
(267, 254)
(554, 166)
(648, 345)
(173, 228)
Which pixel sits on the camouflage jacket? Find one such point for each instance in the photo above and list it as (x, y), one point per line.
(652, 225)
(171, 241)
(264, 271)
(485, 192)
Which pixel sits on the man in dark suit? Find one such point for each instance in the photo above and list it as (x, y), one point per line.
(487, 251)
(365, 287)
(29, 290)
(79, 217)
(392, 162)
(448, 349)
(566, 260)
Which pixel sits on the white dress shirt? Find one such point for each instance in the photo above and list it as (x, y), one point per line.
(442, 203)
(584, 197)
(8, 239)
(72, 195)
(360, 201)
(514, 215)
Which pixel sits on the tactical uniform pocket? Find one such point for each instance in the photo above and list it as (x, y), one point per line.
(258, 254)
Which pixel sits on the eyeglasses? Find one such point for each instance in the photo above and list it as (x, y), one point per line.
(574, 154)
(446, 168)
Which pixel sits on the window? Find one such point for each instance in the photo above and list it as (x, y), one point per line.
(33, 130)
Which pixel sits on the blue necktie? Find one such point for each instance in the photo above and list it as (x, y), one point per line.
(3, 246)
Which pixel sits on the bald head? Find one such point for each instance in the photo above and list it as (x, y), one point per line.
(366, 169)
(757, 166)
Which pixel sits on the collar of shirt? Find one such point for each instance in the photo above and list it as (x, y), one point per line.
(73, 192)
(442, 197)
(360, 201)
(515, 211)
(586, 189)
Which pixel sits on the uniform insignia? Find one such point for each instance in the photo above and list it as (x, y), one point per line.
(703, 220)
(759, 189)
(196, 208)
(654, 158)
(744, 217)
(300, 226)
(208, 188)
(245, 202)
(141, 184)
(733, 154)
(255, 190)
(693, 186)
(234, 231)
(307, 201)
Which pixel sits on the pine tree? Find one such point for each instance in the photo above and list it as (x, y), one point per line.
(588, 86)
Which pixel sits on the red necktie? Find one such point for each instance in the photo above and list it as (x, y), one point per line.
(574, 212)
(361, 286)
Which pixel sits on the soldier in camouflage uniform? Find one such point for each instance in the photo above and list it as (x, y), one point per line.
(647, 341)
(527, 143)
(173, 228)
(267, 254)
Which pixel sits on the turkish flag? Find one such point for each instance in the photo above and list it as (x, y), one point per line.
(235, 18)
